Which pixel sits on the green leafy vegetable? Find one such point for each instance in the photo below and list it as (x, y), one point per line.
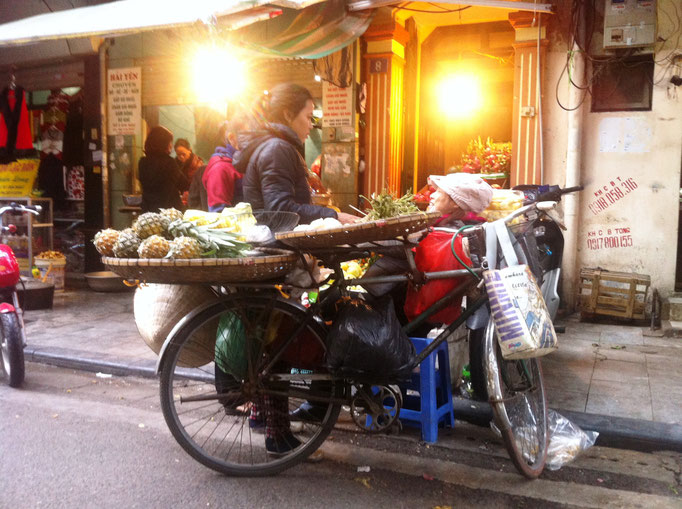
(386, 204)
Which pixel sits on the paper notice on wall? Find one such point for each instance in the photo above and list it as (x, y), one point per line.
(124, 106)
(625, 135)
(337, 105)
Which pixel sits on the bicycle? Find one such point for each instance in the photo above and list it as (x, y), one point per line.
(285, 347)
(13, 338)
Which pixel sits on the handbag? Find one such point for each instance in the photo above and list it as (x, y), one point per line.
(522, 322)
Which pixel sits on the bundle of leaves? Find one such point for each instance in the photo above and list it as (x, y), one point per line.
(386, 204)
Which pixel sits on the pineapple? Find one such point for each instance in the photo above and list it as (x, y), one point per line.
(171, 214)
(151, 223)
(126, 244)
(153, 247)
(213, 242)
(185, 247)
(200, 217)
(105, 240)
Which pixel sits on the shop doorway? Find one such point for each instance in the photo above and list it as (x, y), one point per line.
(57, 128)
(475, 59)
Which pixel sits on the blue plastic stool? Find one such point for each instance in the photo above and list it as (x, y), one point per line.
(433, 405)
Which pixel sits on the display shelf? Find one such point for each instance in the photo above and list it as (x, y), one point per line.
(34, 233)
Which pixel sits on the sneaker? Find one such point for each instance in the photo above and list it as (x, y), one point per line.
(281, 446)
(308, 412)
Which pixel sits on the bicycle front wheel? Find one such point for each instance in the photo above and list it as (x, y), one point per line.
(228, 402)
(12, 349)
(517, 396)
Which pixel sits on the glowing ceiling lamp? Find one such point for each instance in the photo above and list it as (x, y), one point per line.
(459, 96)
(218, 76)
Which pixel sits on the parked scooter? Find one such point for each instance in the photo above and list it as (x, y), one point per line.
(13, 335)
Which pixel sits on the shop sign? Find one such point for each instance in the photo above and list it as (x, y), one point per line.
(16, 179)
(337, 106)
(124, 104)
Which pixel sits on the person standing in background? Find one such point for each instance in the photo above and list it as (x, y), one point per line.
(162, 181)
(188, 161)
(189, 164)
(222, 181)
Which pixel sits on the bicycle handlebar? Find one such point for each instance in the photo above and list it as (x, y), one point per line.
(557, 194)
(16, 207)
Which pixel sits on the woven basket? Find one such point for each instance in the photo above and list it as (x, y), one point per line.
(273, 263)
(356, 233)
(157, 308)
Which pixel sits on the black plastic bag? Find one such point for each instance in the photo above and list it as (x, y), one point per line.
(369, 341)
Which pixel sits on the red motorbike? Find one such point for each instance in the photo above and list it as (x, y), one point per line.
(13, 337)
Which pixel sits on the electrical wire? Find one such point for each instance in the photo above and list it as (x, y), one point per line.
(582, 24)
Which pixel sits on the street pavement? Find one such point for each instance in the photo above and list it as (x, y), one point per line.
(72, 438)
(622, 380)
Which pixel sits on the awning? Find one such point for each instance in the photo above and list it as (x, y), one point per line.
(516, 5)
(313, 32)
(132, 16)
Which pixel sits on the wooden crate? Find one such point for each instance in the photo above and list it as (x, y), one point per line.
(617, 294)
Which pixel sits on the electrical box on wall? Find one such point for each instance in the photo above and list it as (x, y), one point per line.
(629, 23)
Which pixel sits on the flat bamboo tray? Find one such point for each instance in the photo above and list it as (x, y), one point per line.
(273, 263)
(357, 233)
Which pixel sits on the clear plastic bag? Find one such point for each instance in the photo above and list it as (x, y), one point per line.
(566, 440)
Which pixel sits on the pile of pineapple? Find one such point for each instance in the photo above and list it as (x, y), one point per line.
(170, 234)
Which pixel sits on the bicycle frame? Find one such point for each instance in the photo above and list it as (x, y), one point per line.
(333, 257)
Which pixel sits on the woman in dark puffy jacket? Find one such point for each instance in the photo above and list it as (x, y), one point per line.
(275, 178)
(162, 181)
(275, 173)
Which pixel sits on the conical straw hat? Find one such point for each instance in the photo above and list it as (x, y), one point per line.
(158, 308)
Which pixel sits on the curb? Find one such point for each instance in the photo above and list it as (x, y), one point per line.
(74, 359)
(617, 432)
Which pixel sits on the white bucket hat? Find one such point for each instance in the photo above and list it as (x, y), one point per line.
(469, 192)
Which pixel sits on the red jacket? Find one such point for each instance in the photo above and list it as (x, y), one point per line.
(15, 129)
(220, 180)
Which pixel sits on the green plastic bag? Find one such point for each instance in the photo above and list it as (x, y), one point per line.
(230, 346)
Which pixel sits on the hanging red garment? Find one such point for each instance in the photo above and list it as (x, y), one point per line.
(15, 129)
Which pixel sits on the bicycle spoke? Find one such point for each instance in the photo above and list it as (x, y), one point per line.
(271, 329)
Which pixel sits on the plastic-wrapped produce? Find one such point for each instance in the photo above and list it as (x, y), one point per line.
(504, 202)
(566, 440)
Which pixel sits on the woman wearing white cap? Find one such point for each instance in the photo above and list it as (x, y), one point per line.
(459, 198)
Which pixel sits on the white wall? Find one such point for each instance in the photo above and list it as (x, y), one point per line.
(633, 159)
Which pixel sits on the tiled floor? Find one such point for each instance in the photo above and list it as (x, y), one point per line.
(616, 370)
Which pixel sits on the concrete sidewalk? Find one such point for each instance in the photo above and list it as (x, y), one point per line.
(606, 376)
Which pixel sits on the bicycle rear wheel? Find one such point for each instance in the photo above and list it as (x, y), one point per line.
(217, 415)
(12, 349)
(517, 397)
